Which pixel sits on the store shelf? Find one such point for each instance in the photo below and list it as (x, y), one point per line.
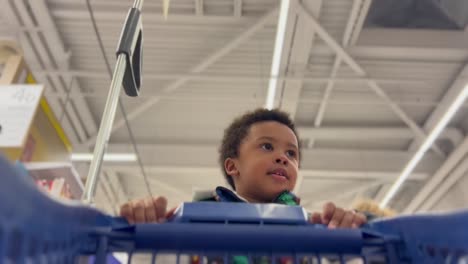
(56, 170)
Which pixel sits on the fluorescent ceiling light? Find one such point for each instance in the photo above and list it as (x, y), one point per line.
(275, 64)
(115, 157)
(425, 145)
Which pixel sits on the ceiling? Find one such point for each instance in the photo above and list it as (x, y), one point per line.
(431, 14)
(362, 97)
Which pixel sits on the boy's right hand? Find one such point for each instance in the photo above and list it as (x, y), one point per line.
(147, 210)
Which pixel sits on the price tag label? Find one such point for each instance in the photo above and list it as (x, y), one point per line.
(18, 104)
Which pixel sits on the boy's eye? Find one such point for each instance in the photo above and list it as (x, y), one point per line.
(291, 153)
(267, 146)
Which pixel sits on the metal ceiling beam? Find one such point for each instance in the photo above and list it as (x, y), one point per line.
(426, 194)
(317, 159)
(453, 134)
(199, 9)
(394, 52)
(296, 54)
(113, 16)
(382, 177)
(337, 62)
(238, 8)
(457, 85)
(444, 187)
(416, 38)
(356, 33)
(212, 58)
(219, 98)
(348, 133)
(420, 133)
(230, 77)
(438, 178)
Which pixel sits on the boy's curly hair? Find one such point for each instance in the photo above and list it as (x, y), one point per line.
(239, 128)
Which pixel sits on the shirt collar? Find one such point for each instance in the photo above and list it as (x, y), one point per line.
(223, 194)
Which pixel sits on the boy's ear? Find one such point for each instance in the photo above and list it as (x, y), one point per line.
(230, 166)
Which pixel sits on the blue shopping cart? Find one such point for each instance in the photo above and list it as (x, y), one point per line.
(37, 229)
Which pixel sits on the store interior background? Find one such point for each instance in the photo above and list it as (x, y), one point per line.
(210, 61)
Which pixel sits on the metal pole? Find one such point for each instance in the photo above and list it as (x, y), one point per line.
(105, 129)
(138, 4)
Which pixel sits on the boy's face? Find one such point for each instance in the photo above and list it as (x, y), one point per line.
(267, 164)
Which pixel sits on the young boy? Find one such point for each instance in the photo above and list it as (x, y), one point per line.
(260, 157)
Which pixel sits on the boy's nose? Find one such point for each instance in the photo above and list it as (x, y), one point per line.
(282, 160)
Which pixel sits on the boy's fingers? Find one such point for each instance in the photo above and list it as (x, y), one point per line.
(359, 220)
(160, 204)
(337, 218)
(139, 211)
(127, 213)
(150, 211)
(328, 212)
(347, 219)
(316, 218)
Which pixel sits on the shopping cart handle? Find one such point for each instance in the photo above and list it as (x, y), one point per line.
(237, 237)
(242, 227)
(215, 212)
(241, 238)
(218, 212)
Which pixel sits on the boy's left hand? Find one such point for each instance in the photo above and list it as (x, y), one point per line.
(336, 217)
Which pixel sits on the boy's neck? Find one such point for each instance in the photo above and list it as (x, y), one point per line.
(286, 197)
(252, 199)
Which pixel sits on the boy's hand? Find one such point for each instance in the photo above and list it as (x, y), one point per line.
(147, 210)
(336, 217)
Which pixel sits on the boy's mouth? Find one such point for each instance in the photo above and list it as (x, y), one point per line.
(280, 173)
